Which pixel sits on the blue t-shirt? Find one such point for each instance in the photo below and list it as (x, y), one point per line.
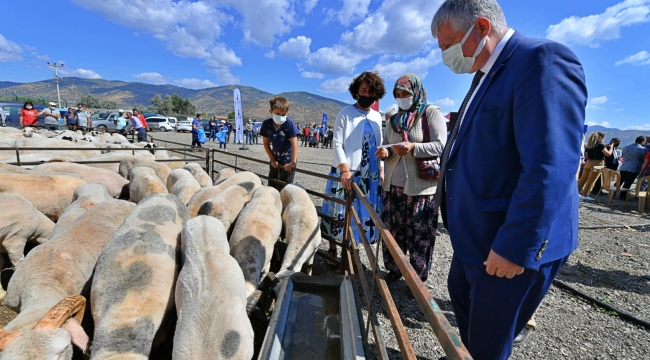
(280, 138)
(198, 125)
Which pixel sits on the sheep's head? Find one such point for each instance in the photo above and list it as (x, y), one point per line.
(28, 132)
(52, 337)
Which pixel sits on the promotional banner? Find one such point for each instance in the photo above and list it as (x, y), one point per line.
(324, 120)
(239, 120)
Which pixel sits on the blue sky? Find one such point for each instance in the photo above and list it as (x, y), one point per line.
(314, 45)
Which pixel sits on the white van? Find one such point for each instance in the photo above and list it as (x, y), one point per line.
(172, 121)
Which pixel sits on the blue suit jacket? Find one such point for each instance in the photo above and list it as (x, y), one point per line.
(511, 176)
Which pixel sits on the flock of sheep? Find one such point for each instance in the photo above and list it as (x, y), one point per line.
(141, 240)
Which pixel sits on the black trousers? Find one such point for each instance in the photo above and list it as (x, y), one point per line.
(195, 140)
(280, 174)
(627, 179)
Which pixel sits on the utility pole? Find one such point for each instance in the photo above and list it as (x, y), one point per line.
(56, 78)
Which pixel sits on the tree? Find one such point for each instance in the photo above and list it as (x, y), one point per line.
(172, 105)
(231, 115)
(90, 101)
(109, 105)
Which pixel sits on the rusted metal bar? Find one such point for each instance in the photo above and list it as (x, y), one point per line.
(331, 239)
(346, 236)
(18, 156)
(449, 340)
(326, 256)
(207, 160)
(395, 319)
(359, 282)
(331, 219)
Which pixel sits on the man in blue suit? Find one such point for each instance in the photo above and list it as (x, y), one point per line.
(508, 189)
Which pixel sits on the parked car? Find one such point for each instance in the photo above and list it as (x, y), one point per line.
(12, 109)
(159, 123)
(183, 125)
(172, 121)
(100, 121)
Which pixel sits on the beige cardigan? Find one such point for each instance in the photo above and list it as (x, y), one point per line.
(437, 137)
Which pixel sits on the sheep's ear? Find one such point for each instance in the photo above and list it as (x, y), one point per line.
(6, 337)
(72, 306)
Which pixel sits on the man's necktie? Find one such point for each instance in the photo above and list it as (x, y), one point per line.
(452, 137)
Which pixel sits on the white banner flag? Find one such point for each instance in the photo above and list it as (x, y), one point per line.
(239, 120)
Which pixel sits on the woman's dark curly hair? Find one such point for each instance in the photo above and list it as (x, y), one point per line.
(374, 81)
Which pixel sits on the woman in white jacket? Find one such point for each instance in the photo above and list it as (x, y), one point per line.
(357, 133)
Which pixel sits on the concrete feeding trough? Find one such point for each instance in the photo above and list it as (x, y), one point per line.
(315, 317)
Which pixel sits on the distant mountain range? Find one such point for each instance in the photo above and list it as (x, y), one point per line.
(304, 107)
(627, 136)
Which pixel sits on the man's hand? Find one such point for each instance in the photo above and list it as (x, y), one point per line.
(402, 149)
(500, 266)
(381, 153)
(274, 164)
(289, 167)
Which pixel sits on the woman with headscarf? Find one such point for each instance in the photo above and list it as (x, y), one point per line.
(417, 131)
(357, 134)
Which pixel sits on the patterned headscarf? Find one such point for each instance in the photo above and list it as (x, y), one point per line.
(404, 118)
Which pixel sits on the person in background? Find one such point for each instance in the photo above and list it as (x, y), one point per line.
(305, 135)
(70, 119)
(143, 121)
(196, 125)
(611, 162)
(120, 122)
(633, 159)
(596, 151)
(256, 132)
(229, 126)
(29, 115)
(357, 134)
(248, 132)
(222, 135)
(52, 115)
(280, 138)
(645, 168)
(137, 126)
(3, 117)
(213, 129)
(647, 142)
(408, 199)
(83, 117)
(512, 218)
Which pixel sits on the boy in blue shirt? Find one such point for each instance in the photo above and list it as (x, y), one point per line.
(280, 136)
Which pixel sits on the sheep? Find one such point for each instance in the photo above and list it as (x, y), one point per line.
(253, 238)
(84, 198)
(128, 164)
(301, 228)
(179, 164)
(120, 139)
(199, 174)
(118, 157)
(210, 297)
(228, 204)
(20, 223)
(210, 192)
(224, 174)
(133, 285)
(113, 182)
(182, 184)
(50, 194)
(144, 182)
(64, 265)
(52, 337)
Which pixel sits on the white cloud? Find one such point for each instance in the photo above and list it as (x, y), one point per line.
(9, 50)
(81, 73)
(220, 61)
(312, 75)
(618, 110)
(352, 10)
(446, 102)
(337, 60)
(194, 83)
(644, 127)
(603, 124)
(590, 29)
(418, 66)
(594, 102)
(310, 5)
(151, 77)
(337, 85)
(295, 48)
(270, 54)
(638, 59)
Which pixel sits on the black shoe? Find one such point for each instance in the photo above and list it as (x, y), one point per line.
(523, 335)
(392, 276)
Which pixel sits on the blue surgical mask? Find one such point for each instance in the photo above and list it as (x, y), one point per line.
(454, 58)
(279, 119)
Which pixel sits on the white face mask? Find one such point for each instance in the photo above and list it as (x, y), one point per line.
(279, 119)
(454, 58)
(405, 103)
(28, 107)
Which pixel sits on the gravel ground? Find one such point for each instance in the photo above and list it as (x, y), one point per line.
(609, 265)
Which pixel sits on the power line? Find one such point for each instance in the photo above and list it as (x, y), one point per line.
(56, 77)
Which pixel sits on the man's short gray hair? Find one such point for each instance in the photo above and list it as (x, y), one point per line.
(462, 15)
